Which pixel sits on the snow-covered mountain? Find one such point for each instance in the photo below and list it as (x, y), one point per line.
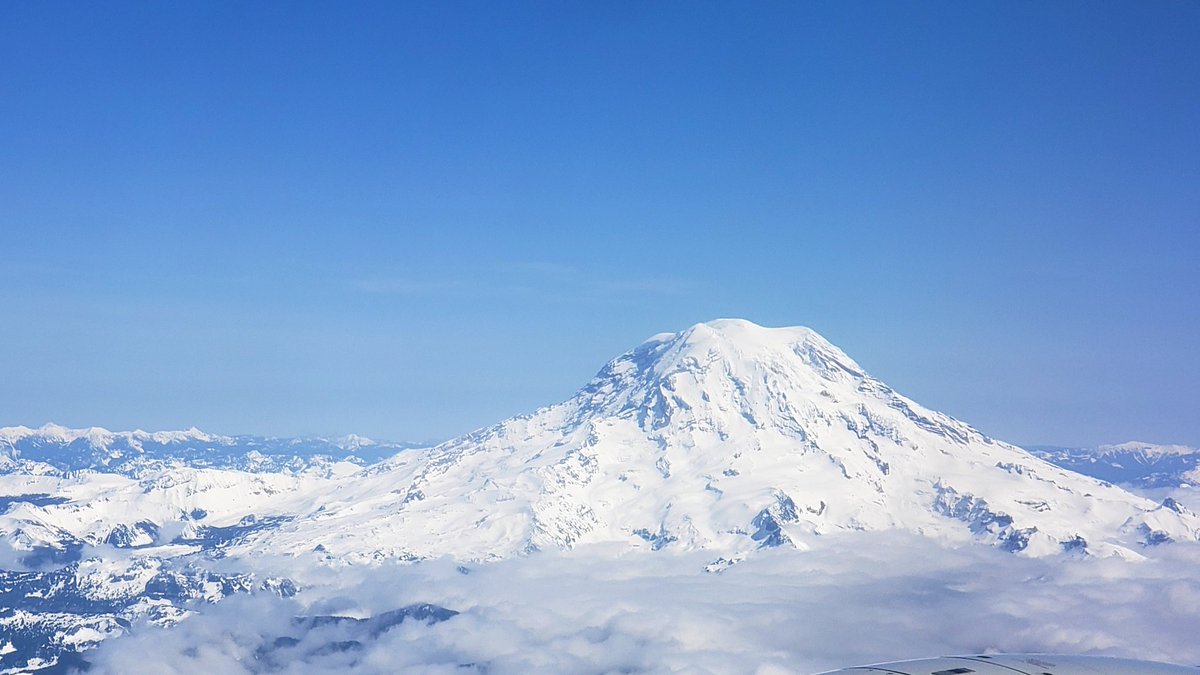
(730, 437)
(1133, 464)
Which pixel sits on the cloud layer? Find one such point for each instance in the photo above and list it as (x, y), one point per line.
(850, 600)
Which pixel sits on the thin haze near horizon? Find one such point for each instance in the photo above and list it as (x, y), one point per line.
(410, 220)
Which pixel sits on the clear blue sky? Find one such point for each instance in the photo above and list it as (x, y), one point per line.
(410, 220)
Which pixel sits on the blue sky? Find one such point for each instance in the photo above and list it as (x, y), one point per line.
(410, 220)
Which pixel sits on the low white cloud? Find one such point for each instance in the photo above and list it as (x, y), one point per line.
(849, 600)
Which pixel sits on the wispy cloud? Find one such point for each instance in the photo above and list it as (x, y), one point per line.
(428, 286)
(541, 279)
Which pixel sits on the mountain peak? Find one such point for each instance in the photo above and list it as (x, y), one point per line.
(739, 339)
(727, 373)
(745, 333)
(735, 325)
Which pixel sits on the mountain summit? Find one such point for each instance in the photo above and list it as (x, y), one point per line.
(726, 436)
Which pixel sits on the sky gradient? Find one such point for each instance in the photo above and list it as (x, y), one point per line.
(411, 220)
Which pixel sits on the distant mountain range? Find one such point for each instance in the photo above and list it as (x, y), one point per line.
(58, 450)
(1133, 464)
(726, 437)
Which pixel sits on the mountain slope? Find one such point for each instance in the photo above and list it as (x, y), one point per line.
(727, 436)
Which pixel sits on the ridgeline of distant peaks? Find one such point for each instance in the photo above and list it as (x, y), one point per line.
(56, 449)
(1133, 464)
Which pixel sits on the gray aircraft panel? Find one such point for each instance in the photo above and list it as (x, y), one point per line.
(949, 665)
(1085, 665)
(1020, 664)
(868, 671)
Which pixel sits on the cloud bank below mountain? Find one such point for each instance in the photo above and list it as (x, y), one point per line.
(852, 599)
